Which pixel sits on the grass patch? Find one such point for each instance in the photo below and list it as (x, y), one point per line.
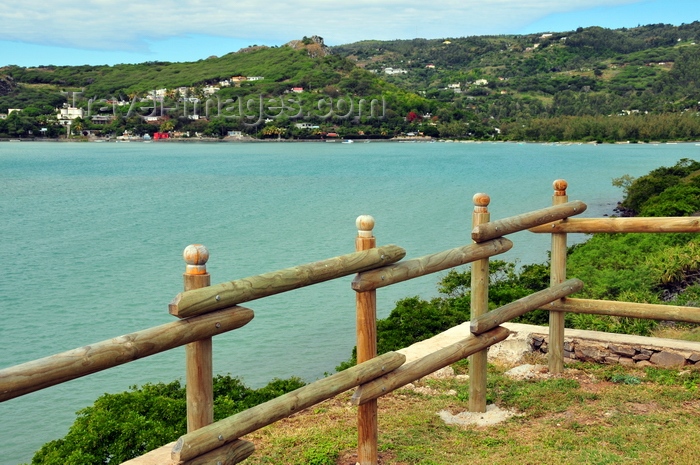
(593, 414)
(679, 332)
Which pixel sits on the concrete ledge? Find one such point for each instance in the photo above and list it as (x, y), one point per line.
(579, 345)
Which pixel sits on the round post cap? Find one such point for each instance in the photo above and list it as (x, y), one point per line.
(365, 224)
(481, 202)
(196, 256)
(560, 186)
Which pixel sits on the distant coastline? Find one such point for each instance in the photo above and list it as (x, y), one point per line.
(225, 140)
(210, 140)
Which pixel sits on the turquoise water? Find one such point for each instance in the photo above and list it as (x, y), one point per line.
(93, 236)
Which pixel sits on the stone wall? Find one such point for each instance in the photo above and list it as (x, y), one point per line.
(579, 345)
(642, 355)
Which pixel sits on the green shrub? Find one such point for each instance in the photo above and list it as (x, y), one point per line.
(118, 427)
(639, 191)
(677, 200)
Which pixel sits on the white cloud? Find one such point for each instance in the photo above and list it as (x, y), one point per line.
(130, 25)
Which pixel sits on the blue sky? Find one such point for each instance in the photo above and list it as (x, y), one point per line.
(125, 31)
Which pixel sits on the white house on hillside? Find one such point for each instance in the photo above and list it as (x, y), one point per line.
(209, 90)
(395, 71)
(67, 114)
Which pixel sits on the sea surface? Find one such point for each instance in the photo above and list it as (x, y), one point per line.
(92, 238)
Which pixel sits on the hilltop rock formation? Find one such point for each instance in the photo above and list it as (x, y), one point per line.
(314, 46)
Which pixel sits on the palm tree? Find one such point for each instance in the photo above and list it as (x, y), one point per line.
(79, 125)
(167, 125)
(273, 130)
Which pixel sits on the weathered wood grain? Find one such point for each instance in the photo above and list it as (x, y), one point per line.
(199, 367)
(498, 228)
(229, 454)
(628, 309)
(409, 269)
(217, 434)
(519, 307)
(39, 374)
(555, 354)
(622, 225)
(479, 305)
(366, 313)
(200, 301)
(424, 366)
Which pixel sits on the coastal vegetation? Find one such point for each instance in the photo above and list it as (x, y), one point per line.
(118, 427)
(590, 84)
(651, 268)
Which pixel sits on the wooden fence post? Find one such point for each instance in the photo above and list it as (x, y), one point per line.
(479, 306)
(366, 309)
(198, 355)
(557, 276)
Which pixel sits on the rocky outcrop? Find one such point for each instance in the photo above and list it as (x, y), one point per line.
(7, 85)
(314, 46)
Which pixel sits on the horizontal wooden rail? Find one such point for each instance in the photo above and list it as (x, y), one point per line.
(409, 269)
(428, 364)
(684, 224)
(39, 374)
(519, 307)
(213, 436)
(207, 299)
(231, 453)
(499, 228)
(628, 309)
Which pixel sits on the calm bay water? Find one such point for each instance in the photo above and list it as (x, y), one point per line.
(93, 236)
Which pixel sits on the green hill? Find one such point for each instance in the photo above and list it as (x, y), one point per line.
(588, 84)
(331, 90)
(591, 71)
(293, 67)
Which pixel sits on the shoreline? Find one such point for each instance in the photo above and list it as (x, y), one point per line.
(341, 141)
(224, 140)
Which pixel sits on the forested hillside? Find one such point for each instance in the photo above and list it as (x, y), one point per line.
(591, 72)
(268, 76)
(639, 68)
(591, 84)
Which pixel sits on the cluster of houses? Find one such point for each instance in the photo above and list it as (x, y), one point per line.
(68, 113)
(208, 90)
(457, 86)
(389, 71)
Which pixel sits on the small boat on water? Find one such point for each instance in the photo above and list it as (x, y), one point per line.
(349, 141)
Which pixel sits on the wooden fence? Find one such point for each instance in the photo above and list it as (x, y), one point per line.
(205, 311)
